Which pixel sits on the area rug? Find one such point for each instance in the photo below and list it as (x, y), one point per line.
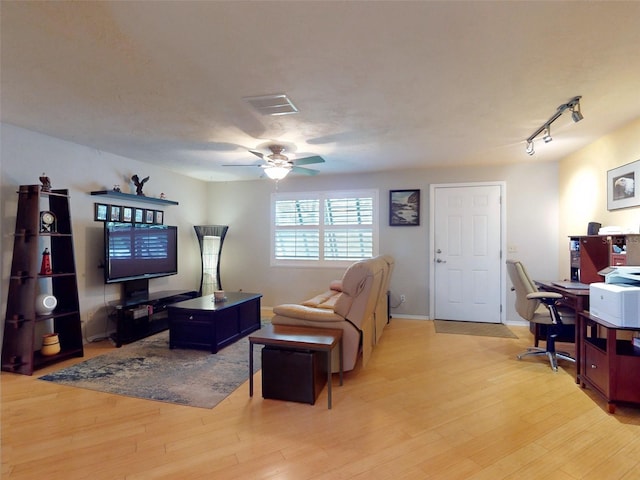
(149, 369)
(474, 328)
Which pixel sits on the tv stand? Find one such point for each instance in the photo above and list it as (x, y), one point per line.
(144, 314)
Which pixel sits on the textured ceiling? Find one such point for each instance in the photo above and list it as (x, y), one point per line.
(379, 85)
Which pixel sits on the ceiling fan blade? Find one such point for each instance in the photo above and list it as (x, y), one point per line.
(241, 165)
(257, 154)
(308, 160)
(304, 171)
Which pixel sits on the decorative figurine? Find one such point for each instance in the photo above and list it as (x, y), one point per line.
(116, 188)
(139, 184)
(46, 183)
(163, 196)
(45, 267)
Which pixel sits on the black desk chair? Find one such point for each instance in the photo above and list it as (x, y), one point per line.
(539, 307)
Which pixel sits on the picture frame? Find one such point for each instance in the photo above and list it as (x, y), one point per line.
(158, 217)
(101, 212)
(138, 215)
(622, 191)
(115, 213)
(127, 214)
(404, 208)
(148, 216)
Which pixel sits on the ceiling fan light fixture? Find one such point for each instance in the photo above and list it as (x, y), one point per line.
(276, 172)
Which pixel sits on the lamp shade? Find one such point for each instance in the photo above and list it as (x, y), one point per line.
(276, 173)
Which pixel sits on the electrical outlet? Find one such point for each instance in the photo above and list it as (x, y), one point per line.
(403, 298)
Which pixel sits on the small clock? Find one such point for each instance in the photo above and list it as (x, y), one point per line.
(47, 222)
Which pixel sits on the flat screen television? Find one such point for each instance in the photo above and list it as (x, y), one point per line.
(134, 251)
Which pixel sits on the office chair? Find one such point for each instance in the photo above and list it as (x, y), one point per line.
(539, 307)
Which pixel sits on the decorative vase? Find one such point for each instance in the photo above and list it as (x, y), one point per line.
(50, 344)
(45, 304)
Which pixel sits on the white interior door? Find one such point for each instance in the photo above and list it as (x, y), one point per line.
(467, 241)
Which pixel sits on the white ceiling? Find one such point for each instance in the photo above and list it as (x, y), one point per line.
(379, 85)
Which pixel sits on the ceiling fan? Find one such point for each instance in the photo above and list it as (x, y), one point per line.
(277, 166)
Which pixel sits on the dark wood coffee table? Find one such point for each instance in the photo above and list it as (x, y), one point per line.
(203, 323)
(303, 338)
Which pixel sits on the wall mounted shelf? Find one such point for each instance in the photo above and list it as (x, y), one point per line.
(133, 197)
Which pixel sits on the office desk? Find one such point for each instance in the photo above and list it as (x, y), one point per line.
(578, 301)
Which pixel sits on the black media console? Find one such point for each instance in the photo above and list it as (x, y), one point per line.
(144, 314)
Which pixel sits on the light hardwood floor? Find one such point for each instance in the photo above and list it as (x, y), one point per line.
(428, 406)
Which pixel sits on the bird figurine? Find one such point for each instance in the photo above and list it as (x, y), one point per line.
(46, 183)
(139, 184)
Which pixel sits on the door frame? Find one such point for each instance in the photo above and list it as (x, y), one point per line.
(503, 241)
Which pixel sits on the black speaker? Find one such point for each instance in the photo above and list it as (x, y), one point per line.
(593, 228)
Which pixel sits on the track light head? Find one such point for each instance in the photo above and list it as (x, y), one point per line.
(547, 134)
(576, 114)
(530, 150)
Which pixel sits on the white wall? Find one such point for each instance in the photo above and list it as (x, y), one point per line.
(532, 221)
(532, 230)
(25, 155)
(583, 187)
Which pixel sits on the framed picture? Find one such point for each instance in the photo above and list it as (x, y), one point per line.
(148, 216)
(115, 213)
(101, 211)
(159, 217)
(127, 214)
(404, 208)
(138, 215)
(621, 186)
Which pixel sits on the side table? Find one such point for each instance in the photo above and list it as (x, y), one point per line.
(307, 338)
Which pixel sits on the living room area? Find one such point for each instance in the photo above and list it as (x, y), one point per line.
(426, 404)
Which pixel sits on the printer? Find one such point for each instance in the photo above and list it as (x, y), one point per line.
(617, 299)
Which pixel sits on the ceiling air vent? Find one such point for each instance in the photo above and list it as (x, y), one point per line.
(272, 104)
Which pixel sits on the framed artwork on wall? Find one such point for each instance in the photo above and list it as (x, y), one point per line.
(101, 211)
(159, 217)
(127, 214)
(148, 216)
(138, 215)
(621, 186)
(115, 213)
(404, 208)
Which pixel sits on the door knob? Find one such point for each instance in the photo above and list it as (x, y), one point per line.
(441, 261)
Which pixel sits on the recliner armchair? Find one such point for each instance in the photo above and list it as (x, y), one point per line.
(539, 307)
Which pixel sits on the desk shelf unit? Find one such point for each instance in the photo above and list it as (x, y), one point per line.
(592, 253)
(610, 363)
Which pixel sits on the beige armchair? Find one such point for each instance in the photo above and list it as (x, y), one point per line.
(357, 304)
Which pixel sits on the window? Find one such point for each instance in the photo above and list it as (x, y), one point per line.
(324, 228)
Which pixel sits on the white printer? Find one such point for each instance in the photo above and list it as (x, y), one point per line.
(617, 300)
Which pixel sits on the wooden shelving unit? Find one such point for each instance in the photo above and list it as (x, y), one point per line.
(21, 347)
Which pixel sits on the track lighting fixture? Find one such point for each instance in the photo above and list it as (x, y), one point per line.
(572, 105)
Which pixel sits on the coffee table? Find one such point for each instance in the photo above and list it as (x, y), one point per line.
(303, 338)
(203, 323)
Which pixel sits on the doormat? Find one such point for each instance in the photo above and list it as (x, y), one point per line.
(482, 329)
(149, 369)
